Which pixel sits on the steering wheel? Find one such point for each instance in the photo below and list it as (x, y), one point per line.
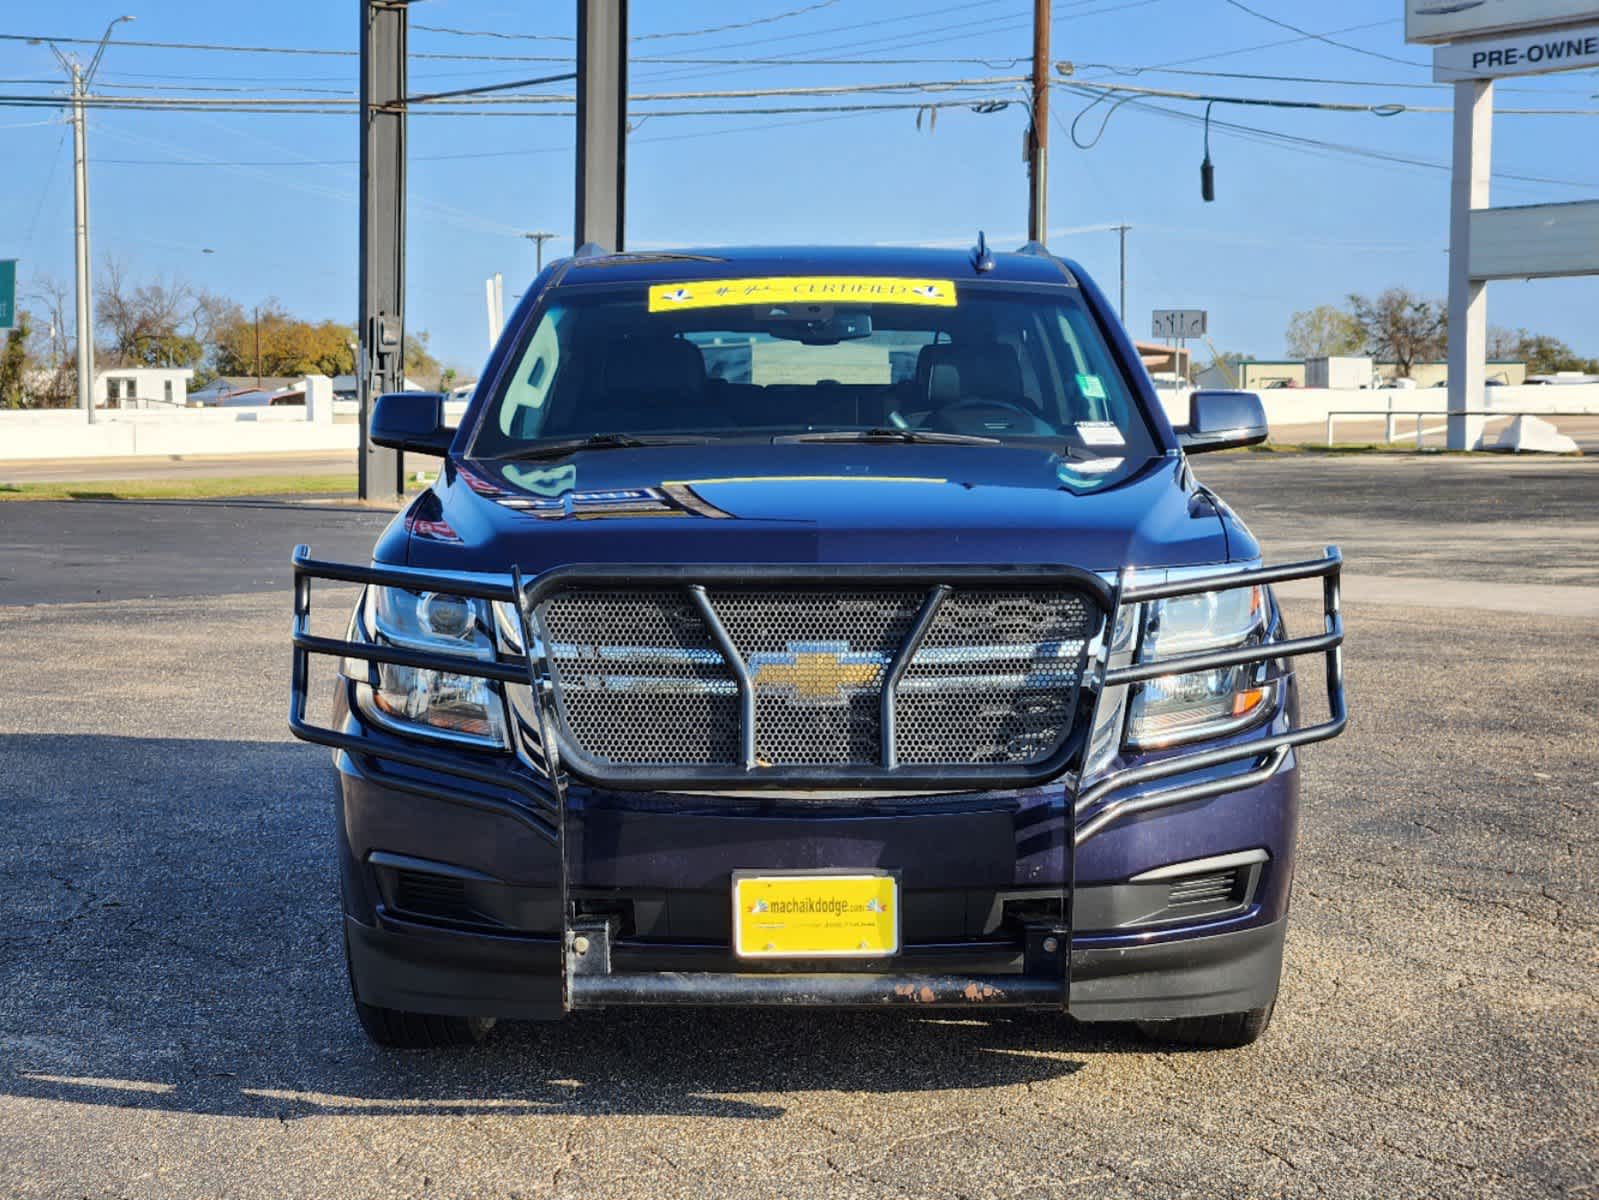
(978, 414)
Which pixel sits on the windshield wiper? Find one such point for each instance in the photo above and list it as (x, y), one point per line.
(596, 441)
(887, 434)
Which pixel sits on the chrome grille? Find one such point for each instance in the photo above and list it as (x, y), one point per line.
(640, 679)
(995, 679)
(817, 661)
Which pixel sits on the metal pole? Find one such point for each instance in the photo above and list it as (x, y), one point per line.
(1038, 134)
(81, 218)
(258, 347)
(601, 122)
(1468, 297)
(380, 361)
(1122, 309)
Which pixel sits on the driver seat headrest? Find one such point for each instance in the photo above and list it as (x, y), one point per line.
(950, 371)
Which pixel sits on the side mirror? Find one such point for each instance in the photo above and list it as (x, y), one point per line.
(412, 421)
(1221, 420)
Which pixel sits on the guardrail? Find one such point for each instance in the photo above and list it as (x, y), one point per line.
(1422, 413)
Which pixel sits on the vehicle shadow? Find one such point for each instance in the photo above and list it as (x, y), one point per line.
(172, 944)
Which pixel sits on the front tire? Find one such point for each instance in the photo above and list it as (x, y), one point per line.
(1223, 1031)
(400, 1030)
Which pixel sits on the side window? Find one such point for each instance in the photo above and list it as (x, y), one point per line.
(522, 407)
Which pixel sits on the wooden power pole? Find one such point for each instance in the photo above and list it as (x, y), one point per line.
(1038, 133)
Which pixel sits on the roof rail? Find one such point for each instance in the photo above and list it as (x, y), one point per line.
(1034, 247)
(982, 258)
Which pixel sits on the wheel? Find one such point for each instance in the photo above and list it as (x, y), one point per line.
(1222, 1031)
(400, 1030)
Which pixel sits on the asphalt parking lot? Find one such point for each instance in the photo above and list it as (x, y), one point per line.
(173, 1016)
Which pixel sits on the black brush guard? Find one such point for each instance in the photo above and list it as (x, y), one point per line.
(587, 977)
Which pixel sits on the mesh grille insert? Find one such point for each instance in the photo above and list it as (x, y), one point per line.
(640, 680)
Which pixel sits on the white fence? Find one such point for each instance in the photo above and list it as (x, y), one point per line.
(1287, 407)
(315, 427)
(325, 425)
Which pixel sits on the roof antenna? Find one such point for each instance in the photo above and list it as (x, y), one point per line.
(982, 258)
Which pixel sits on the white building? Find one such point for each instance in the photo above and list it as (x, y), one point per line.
(143, 387)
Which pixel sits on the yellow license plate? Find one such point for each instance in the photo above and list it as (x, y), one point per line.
(815, 916)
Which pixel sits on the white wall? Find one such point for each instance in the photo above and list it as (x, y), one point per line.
(285, 429)
(1306, 406)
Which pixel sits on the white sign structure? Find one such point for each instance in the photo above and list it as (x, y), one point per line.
(1180, 322)
(1453, 20)
(1518, 54)
(1535, 241)
(1477, 42)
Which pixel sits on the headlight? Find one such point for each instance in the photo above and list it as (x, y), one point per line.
(417, 700)
(1172, 709)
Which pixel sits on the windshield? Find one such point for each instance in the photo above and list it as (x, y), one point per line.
(808, 357)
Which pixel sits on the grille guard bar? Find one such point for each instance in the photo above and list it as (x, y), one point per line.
(586, 975)
(1097, 803)
(1100, 803)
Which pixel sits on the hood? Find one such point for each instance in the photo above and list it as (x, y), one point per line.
(815, 503)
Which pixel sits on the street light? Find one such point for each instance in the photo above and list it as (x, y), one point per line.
(80, 87)
(538, 240)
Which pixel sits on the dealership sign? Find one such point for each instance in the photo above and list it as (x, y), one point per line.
(1518, 54)
(1451, 20)
(8, 293)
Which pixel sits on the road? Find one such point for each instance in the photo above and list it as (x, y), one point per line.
(173, 1019)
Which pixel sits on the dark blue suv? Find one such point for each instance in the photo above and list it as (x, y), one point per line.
(816, 627)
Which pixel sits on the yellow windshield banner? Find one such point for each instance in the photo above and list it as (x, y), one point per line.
(802, 289)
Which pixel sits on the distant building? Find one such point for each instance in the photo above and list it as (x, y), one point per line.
(142, 387)
(1260, 374)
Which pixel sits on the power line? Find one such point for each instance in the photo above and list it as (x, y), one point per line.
(1321, 37)
(456, 99)
(1108, 90)
(1316, 145)
(1320, 81)
(642, 37)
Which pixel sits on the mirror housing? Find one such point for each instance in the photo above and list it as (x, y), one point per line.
(1223, 420)
(412, 421)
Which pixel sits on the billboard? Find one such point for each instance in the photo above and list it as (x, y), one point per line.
(1451, 20)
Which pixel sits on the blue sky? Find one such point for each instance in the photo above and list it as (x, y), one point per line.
(274, 196)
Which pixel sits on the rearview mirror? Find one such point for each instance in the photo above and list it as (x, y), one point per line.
(1223, 420)
(412, 421)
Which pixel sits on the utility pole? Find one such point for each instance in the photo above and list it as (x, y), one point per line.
(1038, 133)
(80, 156)
(381, 328)
(538, 240)
(601, 123)
(258, 347)
(1121, 308)
(80, 223)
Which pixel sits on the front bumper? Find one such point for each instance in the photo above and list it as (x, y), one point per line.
(973, 871)
(580, 857)
(430, 970)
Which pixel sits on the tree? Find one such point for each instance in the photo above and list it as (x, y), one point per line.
(52, 349)
(14, 362)
(287, 345)
(1323, 332)
(1401, 327)
(1544, 355)
(162, 323)
(421, 368)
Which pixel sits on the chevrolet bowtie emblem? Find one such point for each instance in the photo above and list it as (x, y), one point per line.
(816, 672)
